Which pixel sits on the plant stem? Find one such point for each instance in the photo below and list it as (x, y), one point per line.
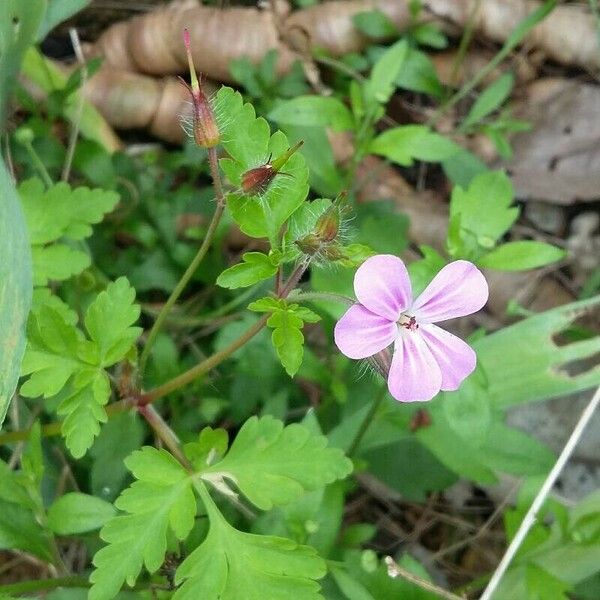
(185, 278)
(203, 367)
(327, 296)
(181, 380)
(367, 421)
(38, 164)
(395, 570)
(66, 172)
(536, 505)
(163, 431)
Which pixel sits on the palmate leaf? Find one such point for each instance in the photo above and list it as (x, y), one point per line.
(59, 359)
(248, 142)
(273, 465)
(61, 212)
(230, 565)
(161, 499)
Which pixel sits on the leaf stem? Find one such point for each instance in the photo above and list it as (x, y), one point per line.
(539, 500)
(367, 421)
(185, 278)
(38, 164)
(163, 431)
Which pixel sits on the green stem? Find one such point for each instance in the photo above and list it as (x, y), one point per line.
(201, 368)
(185, 278)
(163, 431)
(367, 421)
(329, 297)
(38, 164)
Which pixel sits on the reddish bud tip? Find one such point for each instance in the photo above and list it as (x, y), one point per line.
(186, 39)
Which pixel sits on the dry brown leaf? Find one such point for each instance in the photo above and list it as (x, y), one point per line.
(559, 159)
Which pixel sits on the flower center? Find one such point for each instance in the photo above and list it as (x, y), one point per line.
(408, 322)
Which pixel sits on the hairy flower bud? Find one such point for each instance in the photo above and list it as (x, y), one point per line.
(257, 180)
(205, 128)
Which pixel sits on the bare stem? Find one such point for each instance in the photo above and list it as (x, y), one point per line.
(395, 570)
(367, 421)
(185, 278)
(79, 110)
(163, 431)
(531, 515)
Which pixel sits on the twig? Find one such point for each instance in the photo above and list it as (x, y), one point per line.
(531, 515)
(395, 570)
(66, 172)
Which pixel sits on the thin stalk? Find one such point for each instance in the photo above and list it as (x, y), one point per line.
(66, 172)
(185, 278)
(367, 421)
(203, 367)
(24, 587)
(163, 431)
(395, 570)
(38, 164)
(536, 505)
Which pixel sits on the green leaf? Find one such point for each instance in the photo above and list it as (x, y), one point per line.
(77, 513)
(267, 304)
(60, 359)
(520, 256)
(19, 529)
(57, 262)
(161, 500)
(56, 213)
(256, 267)
(15, 283)
(62, 211)
(419, 75)
(57, 12)
(19, 23)
(491, 99)
(287, 339)
(249, 145)
(108, 321)
(483, 212)
(375, 23)
(230, 565)
(407, 143)
(313, 111)
(523, 362)
(273, 465)
(382, 82)
(210, 447)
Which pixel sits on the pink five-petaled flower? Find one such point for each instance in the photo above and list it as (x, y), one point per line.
(426, 358)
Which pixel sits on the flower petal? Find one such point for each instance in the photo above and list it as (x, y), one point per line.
(414, 375)
(361, 333)
(382, 285)
(456, 359)
(458, 289)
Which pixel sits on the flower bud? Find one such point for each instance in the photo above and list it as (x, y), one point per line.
(205, 129)
(257, 180)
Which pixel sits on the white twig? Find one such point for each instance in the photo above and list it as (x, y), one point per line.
(531, 515)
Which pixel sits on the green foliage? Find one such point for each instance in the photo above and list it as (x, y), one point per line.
(313, 111)
(161, 500)
(490, 100)
(375, 24)
(230, 564)
(249, 144)
(256, 267)
(56, 218)
(403, 145)
(77, 513)
(480, 215)
(19, 23)
(273, 465)
(15, 287)
(381, 84)
(519, 256)
(286, 320)
(59, 359)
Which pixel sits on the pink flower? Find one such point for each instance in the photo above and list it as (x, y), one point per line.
(426, 358)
